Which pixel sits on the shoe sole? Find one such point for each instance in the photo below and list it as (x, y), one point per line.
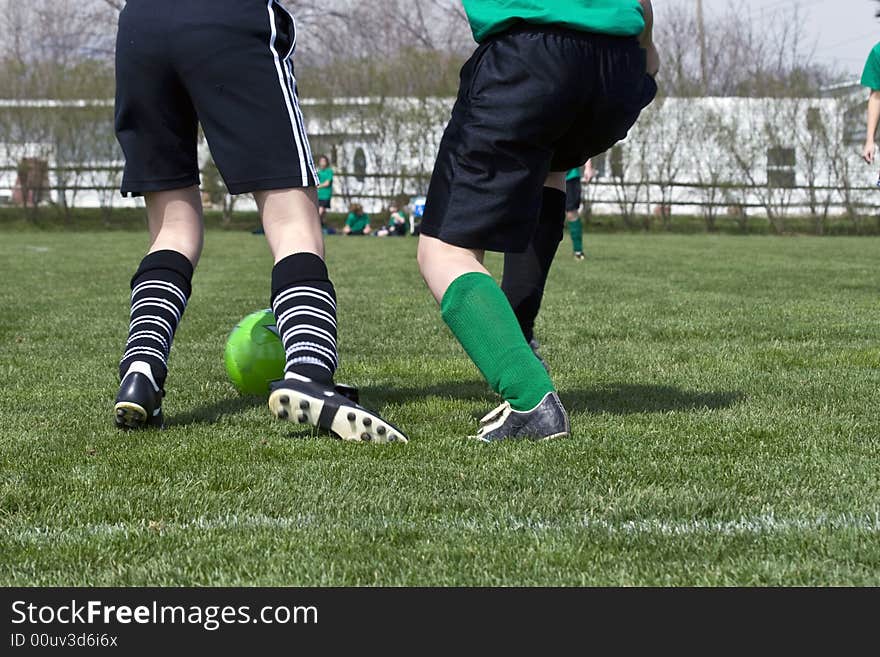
(555, 436)
(543, 439)
(130, 415)
(350, 423)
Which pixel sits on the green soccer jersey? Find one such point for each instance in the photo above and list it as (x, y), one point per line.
(574, 174)
(325, 193)
(620, 17)
(357, 222)
(392, 220)
(871, 74)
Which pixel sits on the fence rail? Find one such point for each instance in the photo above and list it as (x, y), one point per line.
(608, 192)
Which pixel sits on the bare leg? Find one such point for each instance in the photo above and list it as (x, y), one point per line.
(290, 219)
(442, 263)
(175, 222)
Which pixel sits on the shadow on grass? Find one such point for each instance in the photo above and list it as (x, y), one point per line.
(210, 413)
(628, 399)
(213, 412)
(460, 390)
(616, 399)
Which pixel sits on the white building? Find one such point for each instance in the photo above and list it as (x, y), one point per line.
(767, 157)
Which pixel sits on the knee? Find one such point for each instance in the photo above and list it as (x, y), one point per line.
(433, 256)
(424, 255)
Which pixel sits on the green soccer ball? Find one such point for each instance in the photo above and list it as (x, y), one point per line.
(254, 354)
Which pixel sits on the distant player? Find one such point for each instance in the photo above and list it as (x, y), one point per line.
(550, 85)
(357, 222)
(226, 64)
(397, 222)
(325, 186)
(574, 198)
(871, 79)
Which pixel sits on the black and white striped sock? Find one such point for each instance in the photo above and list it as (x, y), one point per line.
(160, 290)
(304, 303)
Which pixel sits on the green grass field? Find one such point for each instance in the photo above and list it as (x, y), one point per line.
(723, 392)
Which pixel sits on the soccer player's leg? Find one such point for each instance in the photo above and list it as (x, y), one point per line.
(525, 274)
(157, 128)
(267, 153)
(160, 290)
(304, 304)
(486, 194)
(479, 315)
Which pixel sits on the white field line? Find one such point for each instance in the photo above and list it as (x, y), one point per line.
(767, 524)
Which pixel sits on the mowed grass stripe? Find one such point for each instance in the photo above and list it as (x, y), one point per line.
(768, 524)
(721, 388)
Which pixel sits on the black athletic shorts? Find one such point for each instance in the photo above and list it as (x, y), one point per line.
(225, 64)
(573, 195)
(532, 100)
(324, 203)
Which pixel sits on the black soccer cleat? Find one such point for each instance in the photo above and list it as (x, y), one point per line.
(138, 404)
(579, 255)
(327, 407)
(548, 420)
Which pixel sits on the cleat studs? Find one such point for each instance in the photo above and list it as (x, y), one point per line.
(304, 404)
(303, 418)
(367, 422)
(366, 437)
(120, 413)
(352, 417)
(393, 437)
(283, 414)
(381, 431)
(284, 401)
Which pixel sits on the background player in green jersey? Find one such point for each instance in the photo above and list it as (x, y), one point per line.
(325, 186)
(574, 197)
(397, 222)
(357, 222)
(871, 79)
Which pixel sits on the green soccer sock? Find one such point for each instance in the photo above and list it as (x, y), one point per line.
(576, 229)
(480, 316)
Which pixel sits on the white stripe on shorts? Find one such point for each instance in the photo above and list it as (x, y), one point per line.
(270, 5)
(291, 81)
